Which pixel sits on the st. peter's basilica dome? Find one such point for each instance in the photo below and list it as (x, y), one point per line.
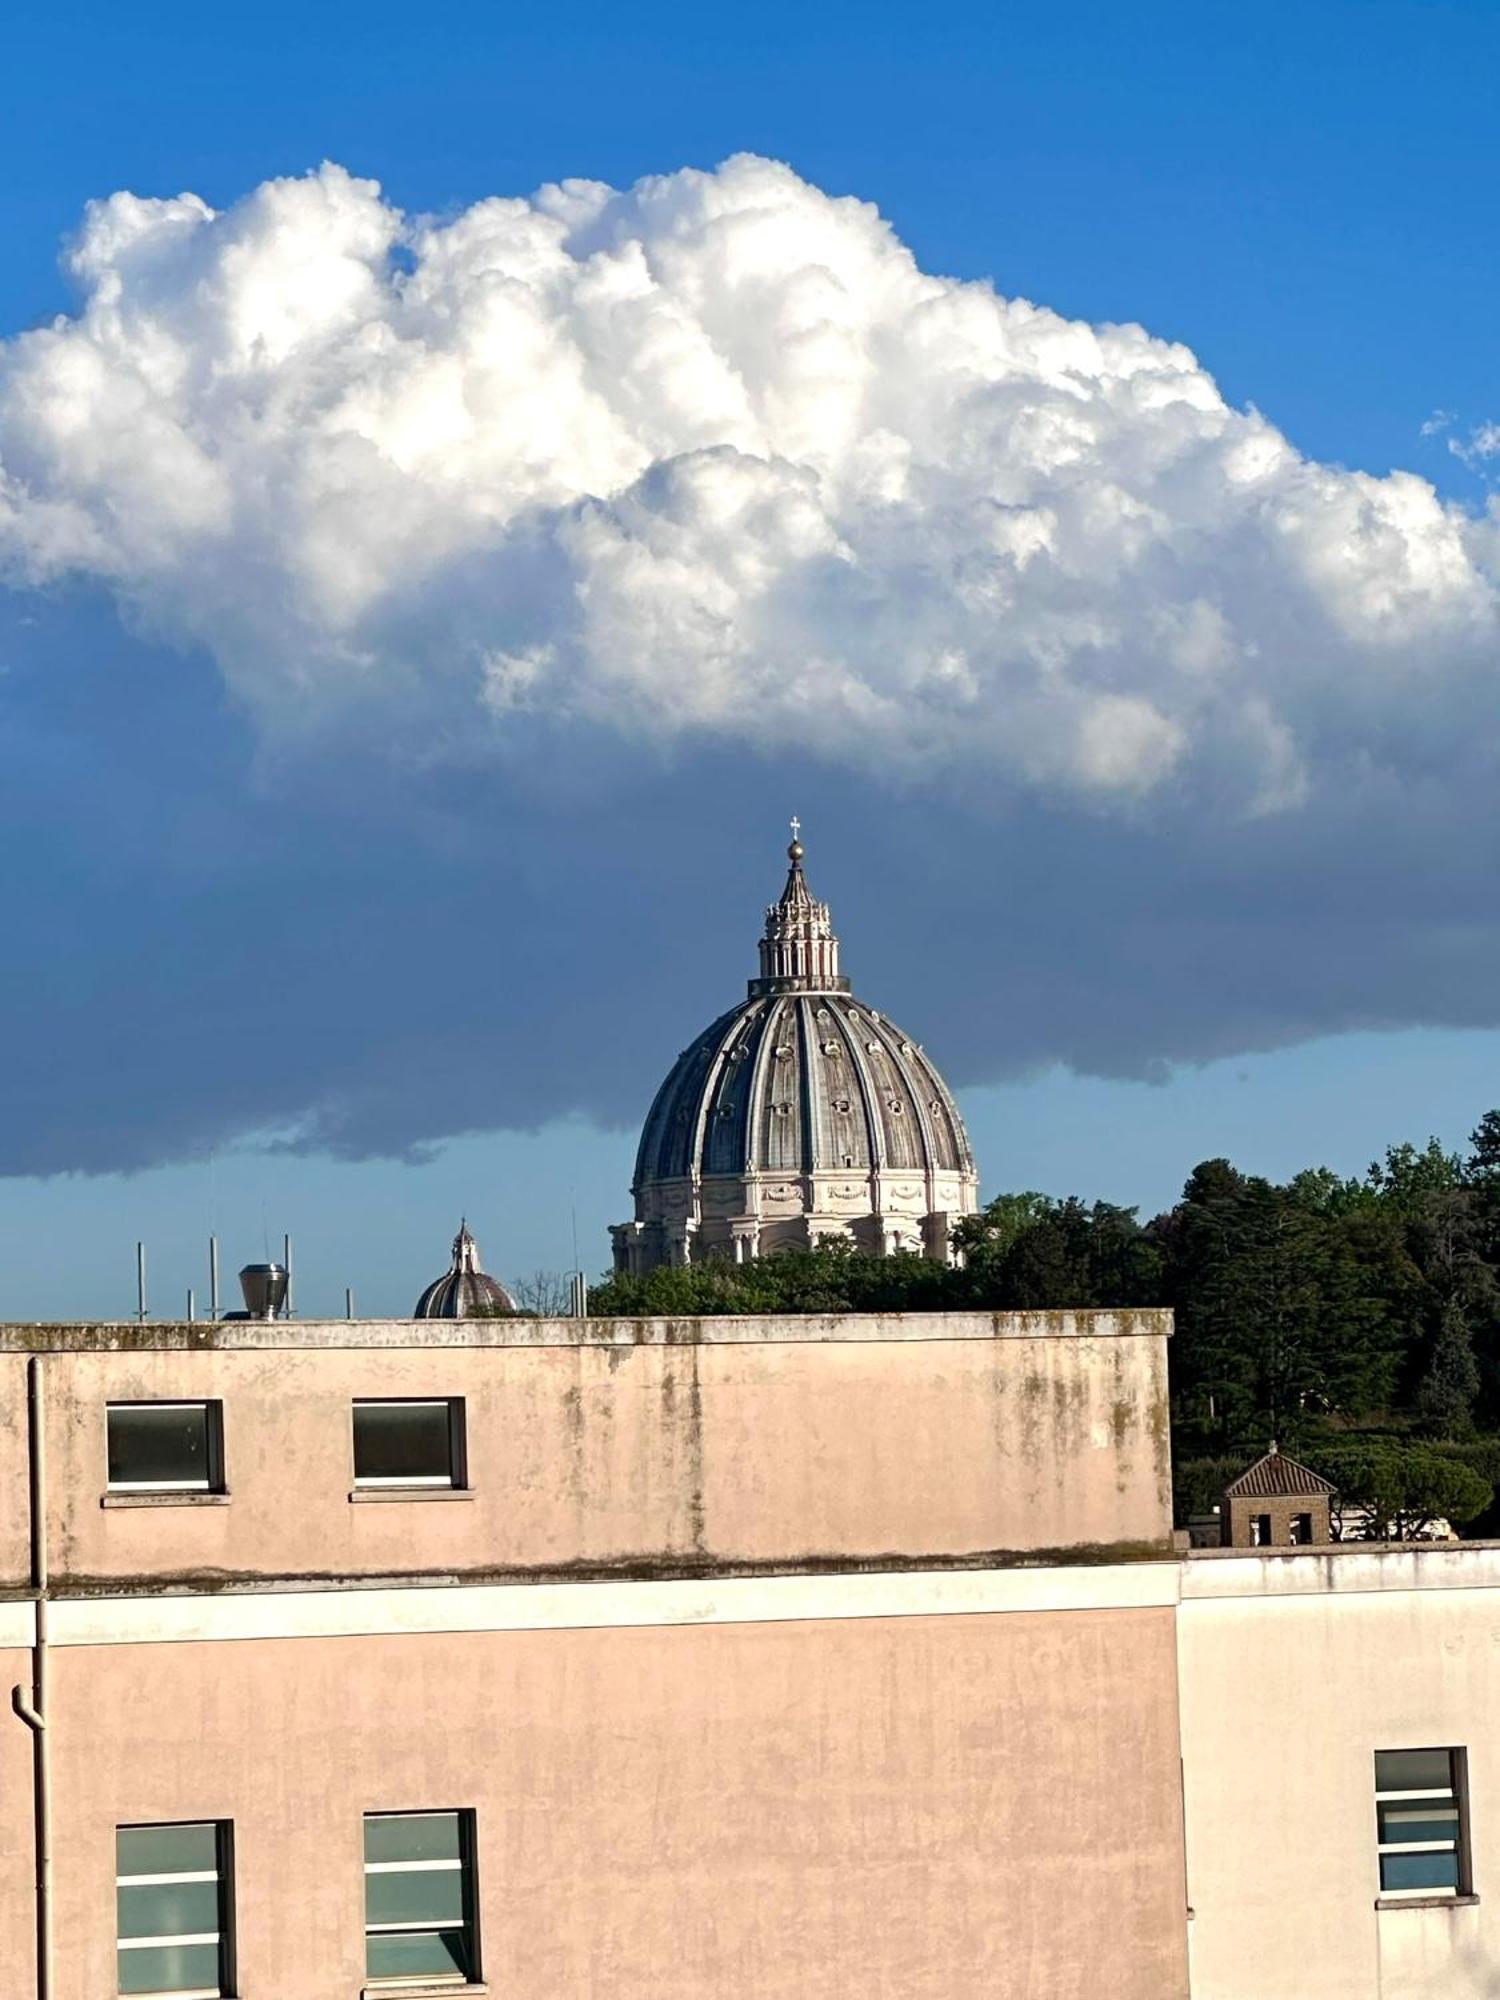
(802, 1113)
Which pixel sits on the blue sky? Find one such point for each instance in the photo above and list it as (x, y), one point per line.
(286, 955)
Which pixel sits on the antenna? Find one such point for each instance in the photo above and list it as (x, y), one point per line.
(140, 1282)
(213, 1277)
(348, 1302)
(286, 1259)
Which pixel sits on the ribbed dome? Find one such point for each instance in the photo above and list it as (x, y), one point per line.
(801, 1083)
(799, 1114)
(465, 1290)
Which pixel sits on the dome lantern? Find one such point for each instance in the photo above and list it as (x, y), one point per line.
(799, 952)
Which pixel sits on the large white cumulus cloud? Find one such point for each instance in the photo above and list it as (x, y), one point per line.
(714, 457)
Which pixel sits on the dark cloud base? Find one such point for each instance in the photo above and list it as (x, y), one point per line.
(371, 949)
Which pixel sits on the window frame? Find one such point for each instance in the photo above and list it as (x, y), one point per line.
(467, 1865)
(456, 1479)
(213, 1467)
(1455, 1791)
(223, 1876)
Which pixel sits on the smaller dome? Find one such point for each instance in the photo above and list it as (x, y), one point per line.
(465, 1290)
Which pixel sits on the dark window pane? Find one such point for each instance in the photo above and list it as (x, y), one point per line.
(412, 1836)
(415, 1896)
(416, 1952)
(403, 1441)
(1421, 1820)
(166, 1850)
(1413, 1771)
(1419, 1871)
(158, 1444)
(168, 1909)
(175, 1968)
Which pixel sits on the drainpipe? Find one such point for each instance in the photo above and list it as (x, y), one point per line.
(34, 1712)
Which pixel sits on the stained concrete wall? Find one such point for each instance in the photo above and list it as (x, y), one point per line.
(905, 1809)
(1294, 1671)
(625, 1445)
(15, 1500)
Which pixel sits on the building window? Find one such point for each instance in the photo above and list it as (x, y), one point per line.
(173, 1909)
(165, 1447)
(409, 1443)
(1302, 1532)
(1260, 1531)
(419, 1896)
(1421, 1816)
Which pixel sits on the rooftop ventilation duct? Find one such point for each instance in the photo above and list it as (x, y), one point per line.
(264, 1286)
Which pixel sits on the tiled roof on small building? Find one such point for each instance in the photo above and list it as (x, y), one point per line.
(1277, 1477)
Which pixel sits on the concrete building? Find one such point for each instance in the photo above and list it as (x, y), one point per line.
(801, 1114)
(704, 1660)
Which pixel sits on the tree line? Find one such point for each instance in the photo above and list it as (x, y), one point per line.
(1356, 1321)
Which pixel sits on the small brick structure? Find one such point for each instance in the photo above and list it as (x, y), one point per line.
(1277, 1503)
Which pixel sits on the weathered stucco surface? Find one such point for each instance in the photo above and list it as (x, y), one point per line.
(903, 1809)
(15, 1497)
(876, 1443)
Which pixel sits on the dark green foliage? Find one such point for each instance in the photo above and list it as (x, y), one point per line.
(1404, 1486)
(833, 1278)
(1289, 1304)
(1198, 1483)
(1444, 1401)
(1027, 1252)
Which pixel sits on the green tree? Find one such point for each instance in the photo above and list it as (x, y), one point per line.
(1444, 1402)
(1030, 1253)
(1402, 1489)
(1282, 1303)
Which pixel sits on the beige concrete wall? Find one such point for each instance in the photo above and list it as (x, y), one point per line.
(883, 1441)
(17, 1852)
(1294, 1671)
(923, 1808)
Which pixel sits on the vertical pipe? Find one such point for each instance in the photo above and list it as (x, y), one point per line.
(140, 1282)
(213, 1277)
(192, 1306)
(286, 1258)
(348, 1302)
(34, 1712)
